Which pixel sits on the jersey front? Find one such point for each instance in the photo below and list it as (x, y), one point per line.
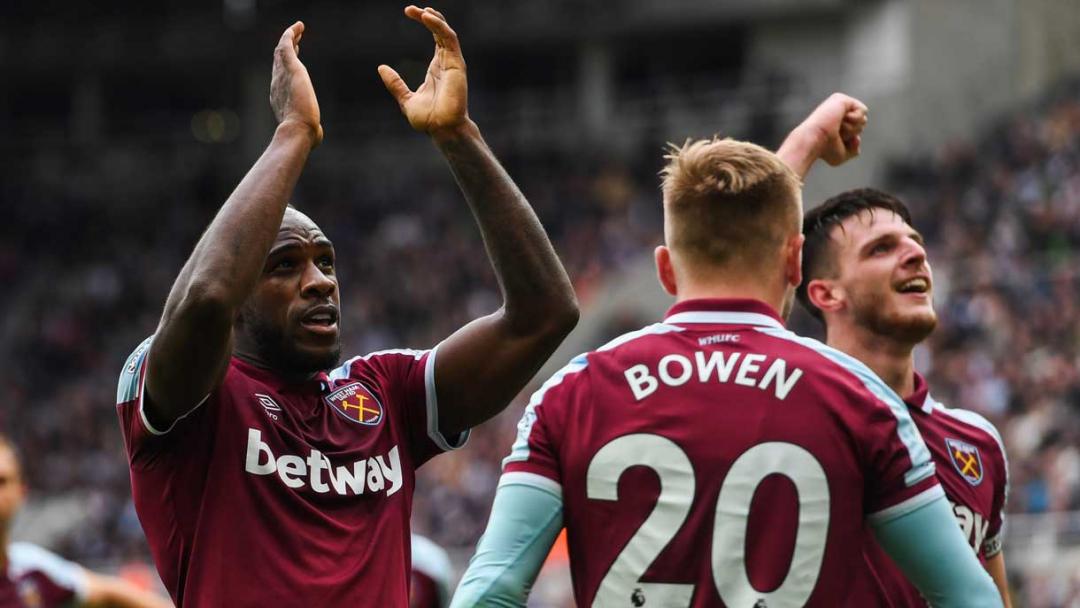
(37, 578)
(971, 466)
(277, 494)
(716, 459)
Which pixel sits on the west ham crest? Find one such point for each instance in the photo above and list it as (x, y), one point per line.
(965, 457)
(356, 403)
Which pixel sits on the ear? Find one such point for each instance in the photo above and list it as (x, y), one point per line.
(793, 260)
(825, 295)
(665, 271)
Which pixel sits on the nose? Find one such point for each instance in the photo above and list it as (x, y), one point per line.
(315, 283)
(914, 254)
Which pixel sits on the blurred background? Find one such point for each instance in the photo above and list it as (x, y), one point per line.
(126, 124)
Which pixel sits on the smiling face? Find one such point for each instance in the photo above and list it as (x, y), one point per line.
(881, 277)
(290, 321)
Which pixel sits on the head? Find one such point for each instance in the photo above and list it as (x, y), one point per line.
(731, 218)
(290, 321)
(865, 268)
(12, 487)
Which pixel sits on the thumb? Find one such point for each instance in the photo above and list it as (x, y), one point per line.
(394, 84)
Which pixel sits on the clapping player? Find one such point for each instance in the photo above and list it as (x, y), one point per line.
(868, 279)
(715, 458)
(265, 473)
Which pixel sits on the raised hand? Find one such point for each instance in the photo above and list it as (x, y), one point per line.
(837, 124)
(292, 95)
(440, 104)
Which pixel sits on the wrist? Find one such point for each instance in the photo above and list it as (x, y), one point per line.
(466, 129)
(296, 129)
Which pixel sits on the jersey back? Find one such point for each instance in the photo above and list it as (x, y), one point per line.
(717, 459)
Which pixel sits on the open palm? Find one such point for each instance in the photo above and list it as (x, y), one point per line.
(441, 102)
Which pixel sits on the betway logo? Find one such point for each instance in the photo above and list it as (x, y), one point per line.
(373, 474)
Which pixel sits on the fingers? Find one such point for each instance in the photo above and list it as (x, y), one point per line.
(436, 23)
(289, 43)
(393, 82)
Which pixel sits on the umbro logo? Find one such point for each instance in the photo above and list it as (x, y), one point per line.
(269, 405)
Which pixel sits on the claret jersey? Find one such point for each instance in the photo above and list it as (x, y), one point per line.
(717, 459)
(37, 578)
(276, 494)
(973, 470)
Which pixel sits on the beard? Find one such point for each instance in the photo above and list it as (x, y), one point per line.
(875, 312)
(281, 353)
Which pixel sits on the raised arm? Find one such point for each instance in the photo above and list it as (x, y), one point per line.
(480, 368)
(193, 342)
(831, 133)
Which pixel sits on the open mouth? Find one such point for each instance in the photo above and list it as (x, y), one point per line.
(320, 320)
(916, 285)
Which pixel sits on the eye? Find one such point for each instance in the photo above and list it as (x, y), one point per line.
(283, 265)
(326, 261)
(880, 248)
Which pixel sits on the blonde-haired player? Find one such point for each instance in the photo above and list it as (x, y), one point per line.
(716, 459)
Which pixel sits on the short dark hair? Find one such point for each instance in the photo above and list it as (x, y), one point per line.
(817, 260)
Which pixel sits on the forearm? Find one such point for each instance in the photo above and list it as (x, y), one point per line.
(229, 256)
(996, 567)
(524, 522)
(800, 150)
(932, 552)
(534, 285)
(109, 592)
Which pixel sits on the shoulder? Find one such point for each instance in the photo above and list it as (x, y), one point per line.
(28, 557)
(975, 421)
(431, 559)
(380, 359)
(127, 388)
(835, 366)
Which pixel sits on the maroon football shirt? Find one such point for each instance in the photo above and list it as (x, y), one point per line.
(717, 459)
(37, 578)
(277, 494)
(971, 466)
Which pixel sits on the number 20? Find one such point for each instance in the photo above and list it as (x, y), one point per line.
(676, 474)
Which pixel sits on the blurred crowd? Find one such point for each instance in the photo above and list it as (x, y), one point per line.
(95, 236)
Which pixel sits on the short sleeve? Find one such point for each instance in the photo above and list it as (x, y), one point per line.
(534, 456)
(899, 467)
(65, 581)
(141, 438)
(406, 378)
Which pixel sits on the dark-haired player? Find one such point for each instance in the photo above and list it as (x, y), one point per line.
(264, 473)
(866, 276)
(715, 458)
(33, 577)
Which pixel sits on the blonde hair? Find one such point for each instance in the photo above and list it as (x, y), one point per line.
(729, 205)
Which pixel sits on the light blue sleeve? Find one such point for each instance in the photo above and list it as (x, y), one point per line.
(931, 550)
(525, 520)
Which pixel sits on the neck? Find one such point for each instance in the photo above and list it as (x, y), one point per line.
(290, 377)
(4, 539)
(732, 288)
(892, 361)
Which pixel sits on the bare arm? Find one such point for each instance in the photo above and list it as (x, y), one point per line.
(193, 342)
(484, 364)
(996, 567)
(831, 133)
(111, 592)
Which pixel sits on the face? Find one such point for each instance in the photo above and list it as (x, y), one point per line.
(884, 281)
(291, 319)
(12, 490)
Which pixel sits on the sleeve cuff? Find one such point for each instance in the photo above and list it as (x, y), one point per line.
(445, 444)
